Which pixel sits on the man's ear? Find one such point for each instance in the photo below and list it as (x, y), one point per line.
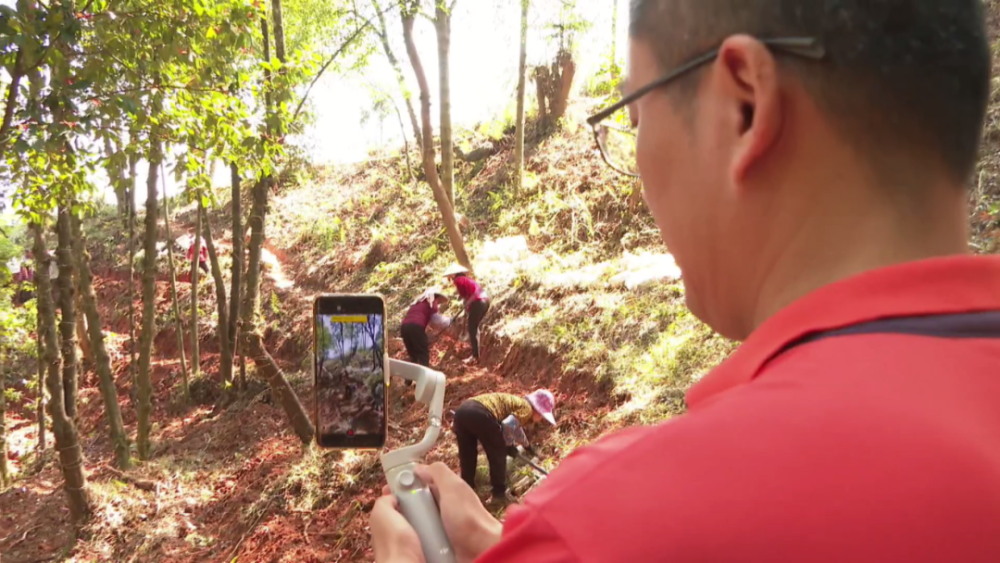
(750, 73)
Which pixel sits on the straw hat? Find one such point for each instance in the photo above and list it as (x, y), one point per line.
(455, 269)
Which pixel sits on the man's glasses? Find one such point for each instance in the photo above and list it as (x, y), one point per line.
(613, 128)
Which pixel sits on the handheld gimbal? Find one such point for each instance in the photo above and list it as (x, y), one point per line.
(416, 501)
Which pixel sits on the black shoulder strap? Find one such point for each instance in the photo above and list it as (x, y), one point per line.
(984, 324)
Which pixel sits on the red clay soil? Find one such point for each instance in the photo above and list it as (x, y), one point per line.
(245, 453)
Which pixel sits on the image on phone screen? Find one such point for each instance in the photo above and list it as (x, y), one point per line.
(350, 379)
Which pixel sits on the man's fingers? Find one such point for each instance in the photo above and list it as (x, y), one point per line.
(439, 477)
(386, 490)
(384, 503)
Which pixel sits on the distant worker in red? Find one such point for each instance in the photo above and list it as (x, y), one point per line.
(423, 311)
(477, 303)
(202, 253)
(24, 280)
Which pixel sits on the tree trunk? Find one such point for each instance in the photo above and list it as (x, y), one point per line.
(67, 441)
(406, 143)
(236, 285)
(442, 24)
(149, 295)
(12, 89)
(613, 69)
(4, 471)
(562, 75)
(195, 283)
(132, 363)
(541, 81)
(225, 353)
(40, 399)
(279, 30)
(86, 350)
(444, 206)
(258, 213)
(519, 125)
(119, 436)
(175, 301)
(280, 387)
(116, 173)
(67, 305)
(383, 35)
(258, 218)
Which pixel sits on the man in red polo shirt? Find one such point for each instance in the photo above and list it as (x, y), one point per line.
(805, 162)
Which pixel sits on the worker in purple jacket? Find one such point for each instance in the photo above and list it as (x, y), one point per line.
(477, 303)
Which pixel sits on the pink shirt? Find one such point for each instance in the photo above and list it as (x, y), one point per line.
(863, 448)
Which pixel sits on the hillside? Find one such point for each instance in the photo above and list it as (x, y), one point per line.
(586, 301)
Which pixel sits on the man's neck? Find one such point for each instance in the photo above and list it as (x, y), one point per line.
(845, 236)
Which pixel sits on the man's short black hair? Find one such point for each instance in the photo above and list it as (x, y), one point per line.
(910, 75)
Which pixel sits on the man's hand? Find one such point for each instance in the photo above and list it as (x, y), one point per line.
(470, 527)
(393, 539)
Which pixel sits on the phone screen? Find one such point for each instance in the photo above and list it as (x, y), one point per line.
(350, 371)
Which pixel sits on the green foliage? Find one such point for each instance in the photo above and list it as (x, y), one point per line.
(606, 82)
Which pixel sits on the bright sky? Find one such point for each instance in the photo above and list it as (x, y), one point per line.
(484, 58)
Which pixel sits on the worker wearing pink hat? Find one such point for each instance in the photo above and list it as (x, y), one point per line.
(497, 421)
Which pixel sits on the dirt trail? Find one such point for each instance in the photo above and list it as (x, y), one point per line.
(236, 485)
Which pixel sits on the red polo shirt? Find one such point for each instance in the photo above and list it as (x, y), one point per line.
(862, 448)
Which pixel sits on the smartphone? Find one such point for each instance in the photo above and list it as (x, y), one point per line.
(351, 371)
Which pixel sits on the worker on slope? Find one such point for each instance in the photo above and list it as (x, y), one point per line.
(424, 311)
(498, 422)
(202, 250)
(806, 163)
(477, 303)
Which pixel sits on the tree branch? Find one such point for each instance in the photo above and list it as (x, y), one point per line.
(329, 61)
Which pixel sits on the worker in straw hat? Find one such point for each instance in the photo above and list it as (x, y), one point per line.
(497, 421)
(424, 311)
(477, 303)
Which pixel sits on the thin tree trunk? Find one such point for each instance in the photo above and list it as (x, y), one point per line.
(613, 69)
(175, 301)
(406, 143)
(195, 284)
(226, 355)
(251, 341)
(4, 470)
(132, 363)
(280, 387)
(521, 79)
(383, 35)
(442, 24)
(444, 206)
(67, 441)
(258, 215)
(86, 350)
(149, 295)
(279, 30)
(106, 380)
(116, 171)
(40, 399)
(236, 277)
(8, 112)
(67, 305)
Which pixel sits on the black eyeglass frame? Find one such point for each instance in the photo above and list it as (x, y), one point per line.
(804, 47)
